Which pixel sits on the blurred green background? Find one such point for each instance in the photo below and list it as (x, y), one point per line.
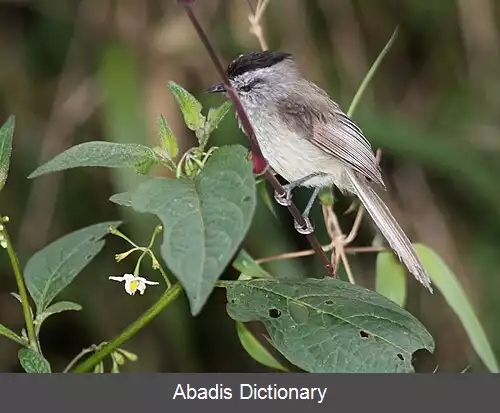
(73, 71)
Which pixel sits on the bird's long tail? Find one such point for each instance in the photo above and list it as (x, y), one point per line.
(390, 229)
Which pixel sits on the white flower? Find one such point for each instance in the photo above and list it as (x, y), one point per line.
(133, 283)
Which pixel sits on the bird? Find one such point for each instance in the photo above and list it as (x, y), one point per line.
(307, 139)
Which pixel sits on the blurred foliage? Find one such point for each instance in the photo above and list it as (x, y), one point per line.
(78, 71)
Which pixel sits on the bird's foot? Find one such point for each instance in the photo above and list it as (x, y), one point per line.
(283, 199)
(304, 229)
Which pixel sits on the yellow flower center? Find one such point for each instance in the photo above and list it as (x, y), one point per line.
(133, 286)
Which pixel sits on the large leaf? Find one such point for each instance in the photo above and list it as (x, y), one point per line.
(6, 133)
(105, 154)
(204, 219)
(54, 267)
(448, 284)
(33, 362)
(330, 325)
(391, 278)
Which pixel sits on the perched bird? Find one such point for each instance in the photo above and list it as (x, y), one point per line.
(307, 139)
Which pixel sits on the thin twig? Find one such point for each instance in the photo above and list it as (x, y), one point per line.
(338, 240)
(254, 18)
(247, 127)
(326, 248)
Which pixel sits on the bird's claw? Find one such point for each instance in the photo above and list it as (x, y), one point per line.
(304, 229)
(283, 199)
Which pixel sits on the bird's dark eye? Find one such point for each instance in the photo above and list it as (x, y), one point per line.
(250, 85)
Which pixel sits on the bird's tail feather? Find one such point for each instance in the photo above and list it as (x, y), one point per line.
(390, 229)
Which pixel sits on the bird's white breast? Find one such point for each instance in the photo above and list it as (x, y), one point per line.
(291, 156)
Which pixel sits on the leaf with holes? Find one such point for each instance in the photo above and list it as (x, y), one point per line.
(204, 219)
(105, 154)
(33, 362)
(330, 325)
(391, 278)
(6, 133)
(54, 267)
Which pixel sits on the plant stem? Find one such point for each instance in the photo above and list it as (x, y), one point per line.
(79, 356)
(16, 267)
(167, 297)
(247, 127)
(367, 79)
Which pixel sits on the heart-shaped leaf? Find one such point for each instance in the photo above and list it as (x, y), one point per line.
(6, 133)
(54, 267)
(33, 362)
(204, 219)
(330, 325)
(105, 154)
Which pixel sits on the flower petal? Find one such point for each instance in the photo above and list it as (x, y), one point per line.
(117, 278)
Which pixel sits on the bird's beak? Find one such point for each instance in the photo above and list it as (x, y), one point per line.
(217, 88)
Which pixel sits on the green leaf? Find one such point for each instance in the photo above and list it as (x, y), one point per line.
(105, 154)
(268, 202)
(190, 107)
(6, 133)
(7, 332)
(215, 115)
(448, 284)
(255, 349)
(167, 138)
(54, 309)
(54, 267)
(245, 264)
(330, 325)
(123, 199)
(33, 362)
(204, 219)
(391, 278)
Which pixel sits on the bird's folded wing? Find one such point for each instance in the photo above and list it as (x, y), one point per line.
(321, 121)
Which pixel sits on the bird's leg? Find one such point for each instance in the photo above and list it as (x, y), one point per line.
(286, 198)
(308, 228)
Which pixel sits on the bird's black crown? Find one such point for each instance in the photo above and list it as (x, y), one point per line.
(253, 61)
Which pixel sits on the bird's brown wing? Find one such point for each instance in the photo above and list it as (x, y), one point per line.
(321, 121)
